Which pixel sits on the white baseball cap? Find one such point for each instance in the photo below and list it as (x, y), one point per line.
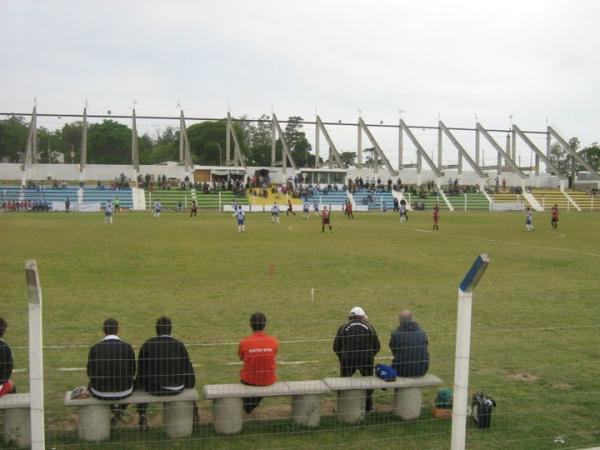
(358, 311)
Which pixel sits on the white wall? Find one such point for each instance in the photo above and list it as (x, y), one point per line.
(70, 172)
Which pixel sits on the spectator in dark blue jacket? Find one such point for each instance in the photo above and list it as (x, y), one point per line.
(409, 347)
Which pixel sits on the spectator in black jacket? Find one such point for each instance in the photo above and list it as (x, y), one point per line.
(164, 367)
(409, 347)
(356, 344)
(111, 369)
(6, 363)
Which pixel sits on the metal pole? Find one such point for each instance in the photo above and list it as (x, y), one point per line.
(465, 202)
(400, 147)
(359, 147)
(36, 357)
(463, 349)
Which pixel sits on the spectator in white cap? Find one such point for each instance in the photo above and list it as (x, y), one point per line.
(356, 344)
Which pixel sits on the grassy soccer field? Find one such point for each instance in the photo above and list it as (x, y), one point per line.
(536, 327)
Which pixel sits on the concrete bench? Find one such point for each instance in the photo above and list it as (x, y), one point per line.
(95, 415)
(16, 419)
(352, 395)
(228, 405)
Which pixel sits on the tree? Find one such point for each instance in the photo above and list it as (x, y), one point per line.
(371, 157)
(592, 155)
(297, 143)
(71, 136)
(50, 145)
(258, 142)
(207, 142)
(348, 158)
(13, 138)
(561, 158)
(109, 142)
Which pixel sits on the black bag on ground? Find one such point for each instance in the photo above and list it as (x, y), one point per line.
(481, 409)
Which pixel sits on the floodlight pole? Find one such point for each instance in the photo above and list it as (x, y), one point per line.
(36, 357)
(463, 349)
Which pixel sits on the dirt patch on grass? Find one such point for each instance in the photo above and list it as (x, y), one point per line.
(528, 377)
(562, 386)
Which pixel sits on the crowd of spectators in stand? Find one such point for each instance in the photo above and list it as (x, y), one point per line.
(163, 183)
(26, 205)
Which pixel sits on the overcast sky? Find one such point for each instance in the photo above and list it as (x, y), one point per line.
(532, 59)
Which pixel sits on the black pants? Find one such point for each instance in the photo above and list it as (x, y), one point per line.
(250, 402)
(366, 370)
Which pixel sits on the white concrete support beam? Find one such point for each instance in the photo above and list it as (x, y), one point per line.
(135, 156)
(539, 154)
(36, 355)
(228, 132)
(421, 153)
(362, 126)
(83, 153)
(501, 152)
(462, 153)
(400, 147)
(333, 152)
(359, 147)
(286, 151)
(317, 144)
(563, 142)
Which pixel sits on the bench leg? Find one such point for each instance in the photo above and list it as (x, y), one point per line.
(227, 415)
(351, 405)
(306, 410)
(17, 428)
(94, 422)
(407, 403)
(178, 418)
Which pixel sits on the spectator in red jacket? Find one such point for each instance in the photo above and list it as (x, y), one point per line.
(258, 352)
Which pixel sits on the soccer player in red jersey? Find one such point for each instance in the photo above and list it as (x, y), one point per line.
(436, 217)
(555, 214)
(349, 210)
(325, 220)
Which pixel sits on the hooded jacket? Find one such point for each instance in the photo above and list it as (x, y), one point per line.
(408, 344)
(356, 342)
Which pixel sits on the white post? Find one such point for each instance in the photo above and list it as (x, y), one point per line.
(461, 370)
(36, 357)
(463, 349)
(220, 207)
(465, 202)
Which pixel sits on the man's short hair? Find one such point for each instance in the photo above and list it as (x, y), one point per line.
(110, 326)
(163, 326)
(258, 321)
(3, 326)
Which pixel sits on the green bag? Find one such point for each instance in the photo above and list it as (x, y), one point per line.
(443, 400)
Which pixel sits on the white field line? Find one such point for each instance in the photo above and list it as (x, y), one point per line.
(519, 243)
(293, 229)
(422, 230)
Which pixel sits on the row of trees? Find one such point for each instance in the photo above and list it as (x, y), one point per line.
(109, 142)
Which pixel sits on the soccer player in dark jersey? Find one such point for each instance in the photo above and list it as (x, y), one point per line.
(348, 210)
(194, 209)
(555, 214)
(326, 220)
(289, 209)
(436, 217)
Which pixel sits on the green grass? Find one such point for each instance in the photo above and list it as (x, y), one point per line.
(535, 338)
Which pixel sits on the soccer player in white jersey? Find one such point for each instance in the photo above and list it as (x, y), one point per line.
(108, 212)
(157, 208)
(403, 216)
(240, 217)
(529, 220)
(275, 213)
(305, 209)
